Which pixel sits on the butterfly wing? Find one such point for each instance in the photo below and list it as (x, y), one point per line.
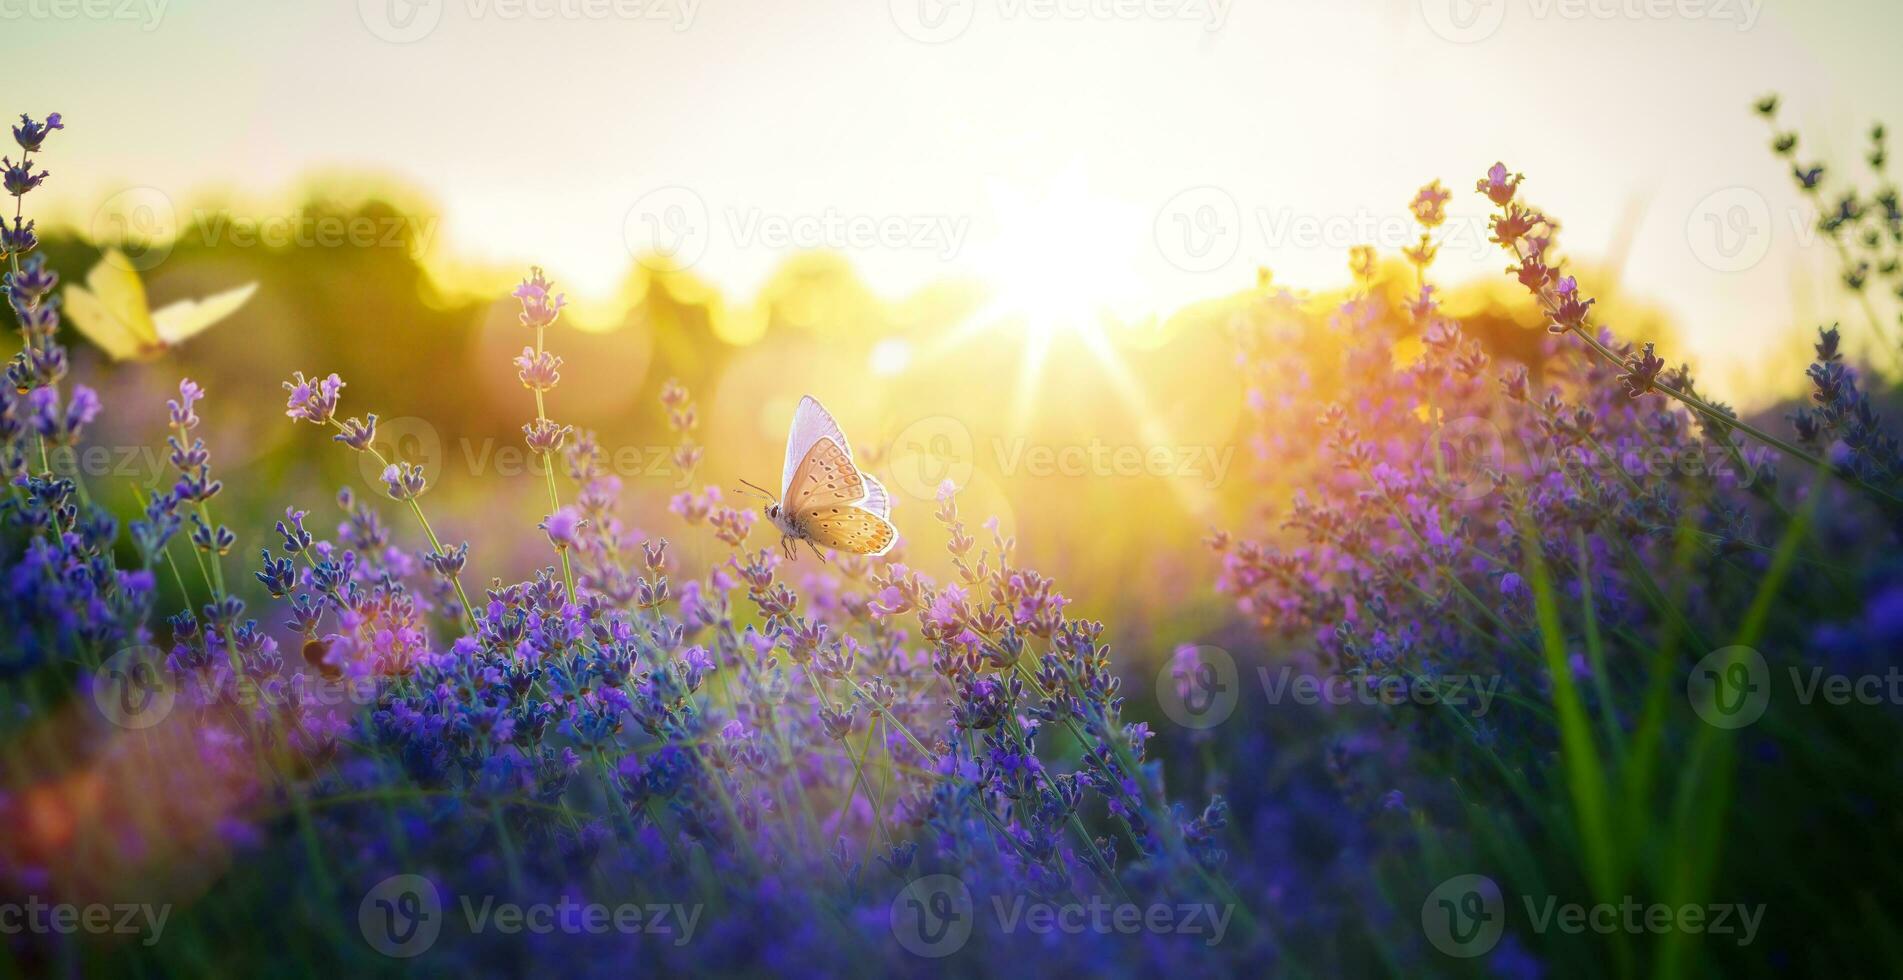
(811, 423)
(847, 528)
(179, 321)
(877, 500)
(111, 310)
(825, 479)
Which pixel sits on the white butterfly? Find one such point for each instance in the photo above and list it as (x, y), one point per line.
(824, 498)
(113, 313)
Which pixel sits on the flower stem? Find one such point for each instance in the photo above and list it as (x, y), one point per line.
(436, 546)
(548, 471)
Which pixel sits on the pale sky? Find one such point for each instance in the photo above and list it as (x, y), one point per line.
(1137, 154)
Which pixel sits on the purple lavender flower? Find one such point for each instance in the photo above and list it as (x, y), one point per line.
(30, 134)
(313, 400)
(404, 481)
(539, 309)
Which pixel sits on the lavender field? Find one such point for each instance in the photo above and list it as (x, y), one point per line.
(1496, 575)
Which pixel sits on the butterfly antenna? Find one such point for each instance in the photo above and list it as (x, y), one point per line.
(756, 489)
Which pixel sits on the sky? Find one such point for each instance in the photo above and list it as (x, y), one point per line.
(1092, 156)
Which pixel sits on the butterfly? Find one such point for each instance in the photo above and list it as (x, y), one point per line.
(111, 310)
(825, 499)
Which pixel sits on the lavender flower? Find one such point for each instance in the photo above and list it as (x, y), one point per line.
(313, 400)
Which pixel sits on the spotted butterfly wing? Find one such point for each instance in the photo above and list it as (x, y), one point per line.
(811, 423)
(851, 529)
(825, 478)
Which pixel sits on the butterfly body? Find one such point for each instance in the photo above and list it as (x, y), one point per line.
(825, 499)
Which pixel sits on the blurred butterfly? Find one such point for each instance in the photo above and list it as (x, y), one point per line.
(112, 312)
(824, 498)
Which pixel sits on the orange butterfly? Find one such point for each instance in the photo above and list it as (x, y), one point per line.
(824, 498)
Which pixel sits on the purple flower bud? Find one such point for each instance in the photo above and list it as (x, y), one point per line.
(19, 238)
(1498, 185)
(544, 436)
(189, 394)
(313, 400)
(30, 134)
(562, 527)
(358, 434)
(404, 481)
(538, 371)
(539, 310)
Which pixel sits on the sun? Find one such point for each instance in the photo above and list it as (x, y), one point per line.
(1062, 257)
